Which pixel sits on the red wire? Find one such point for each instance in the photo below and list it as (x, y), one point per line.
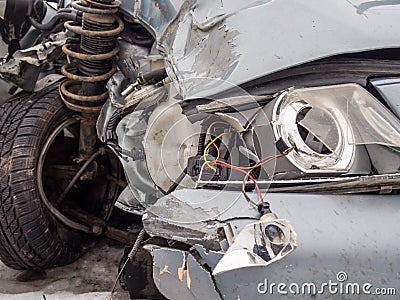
(244, 172)
(218, 162)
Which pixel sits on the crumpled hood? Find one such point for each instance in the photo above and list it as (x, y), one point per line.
(211, 45)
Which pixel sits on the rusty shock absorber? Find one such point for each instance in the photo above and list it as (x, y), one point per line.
(85, 89)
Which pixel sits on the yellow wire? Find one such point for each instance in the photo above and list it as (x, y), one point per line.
(208, 146)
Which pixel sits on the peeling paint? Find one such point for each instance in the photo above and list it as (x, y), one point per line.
(178, 283)
(164, 270)
(188, 280)
(244, 30)
(181, 270)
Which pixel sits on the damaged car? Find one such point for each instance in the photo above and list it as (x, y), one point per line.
(253, 145)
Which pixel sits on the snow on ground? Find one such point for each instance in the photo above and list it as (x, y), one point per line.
(91, 277)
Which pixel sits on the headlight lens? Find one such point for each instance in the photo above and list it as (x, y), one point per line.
(335, 120)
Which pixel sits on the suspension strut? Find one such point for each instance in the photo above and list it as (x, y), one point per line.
(84, 90)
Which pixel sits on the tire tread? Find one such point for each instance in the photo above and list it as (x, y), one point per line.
(30, 238)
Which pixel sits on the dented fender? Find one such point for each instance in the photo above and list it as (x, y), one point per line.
(186, 33)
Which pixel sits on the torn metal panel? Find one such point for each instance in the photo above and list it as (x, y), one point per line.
(335, 234)
(154, 14)
(210, 257)
(128, 202)
(36, 55)
(24, 67)
(325, 224)
(133, 59)
(194, 216)
(175, 220)
(244, 30)
(178, 275)
(207, 205)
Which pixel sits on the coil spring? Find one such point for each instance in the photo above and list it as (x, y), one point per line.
(85, 89)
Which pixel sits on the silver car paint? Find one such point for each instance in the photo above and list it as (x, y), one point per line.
(237, 41)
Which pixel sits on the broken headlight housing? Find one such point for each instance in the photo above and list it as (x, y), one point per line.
(330, 128)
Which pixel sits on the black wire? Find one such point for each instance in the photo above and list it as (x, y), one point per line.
(177, 182)
(202, 143)
(111, 138)
(202, 138)
(54, 21)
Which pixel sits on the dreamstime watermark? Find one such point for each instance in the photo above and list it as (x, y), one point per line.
(340, 286)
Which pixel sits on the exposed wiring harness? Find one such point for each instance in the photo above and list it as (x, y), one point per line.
(244, 186)
(211, 143)
(245, 170)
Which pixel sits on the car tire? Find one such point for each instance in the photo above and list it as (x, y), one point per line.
(31, 237)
